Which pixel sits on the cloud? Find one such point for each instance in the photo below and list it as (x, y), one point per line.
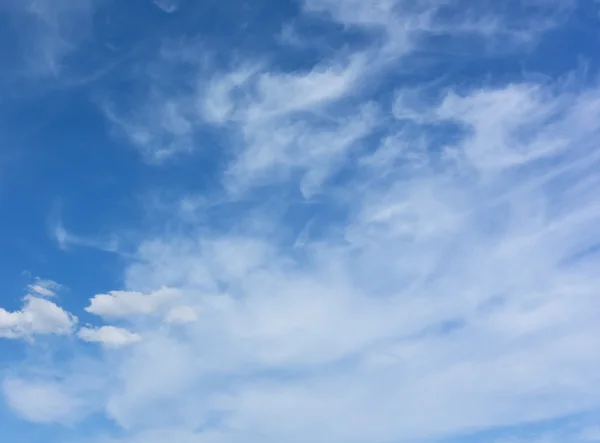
(268, 95)
(123, 304)
(457, 277)
(37, 317)
(109, 336)
(66, 239)
(55, 30)
(506, 123)
(269, 111)
(55, 395)
(277, 150)
(407, 26)
(168, 6)
(181, 315)
(278, 122)
(40, 401)
(44, 288)
(387, 258)
(161, 130)
(380, 15)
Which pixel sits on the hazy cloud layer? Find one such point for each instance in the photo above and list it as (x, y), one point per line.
(385, 252)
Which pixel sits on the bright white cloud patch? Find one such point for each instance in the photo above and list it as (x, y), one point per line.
(37, 317)
(109, 336)
(124, 304)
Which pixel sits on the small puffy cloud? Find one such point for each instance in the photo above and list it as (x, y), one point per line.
(37, 317)
(124, 304)
(109, 336)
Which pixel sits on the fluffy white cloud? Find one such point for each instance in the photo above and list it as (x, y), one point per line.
(109, 336)
(37, 317)
(123, 304)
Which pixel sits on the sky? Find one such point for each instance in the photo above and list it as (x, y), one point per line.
(329, 221)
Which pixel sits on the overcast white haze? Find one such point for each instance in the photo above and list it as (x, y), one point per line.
(329, 221)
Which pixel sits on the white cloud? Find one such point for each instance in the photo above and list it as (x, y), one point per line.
(124, 304)
(404, 23)
(263, 94)
(502, 122)
(109, 336)
(44, 288)
(161, 129)
(181, 315)
(216, 104)
(40, 401)
(277, 150)
(66, 239)
(445, 294)
(282, 94)
(37, 317)
(197, 262)
(449, 285)
(270, 114)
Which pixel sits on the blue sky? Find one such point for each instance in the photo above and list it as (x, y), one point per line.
(338, 221)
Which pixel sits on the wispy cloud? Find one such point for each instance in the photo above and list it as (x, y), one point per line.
(168, 6)
(55, 29)
(44, 288)
(66, 239)
(442, 282)
(161, 130)
(458, 277)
